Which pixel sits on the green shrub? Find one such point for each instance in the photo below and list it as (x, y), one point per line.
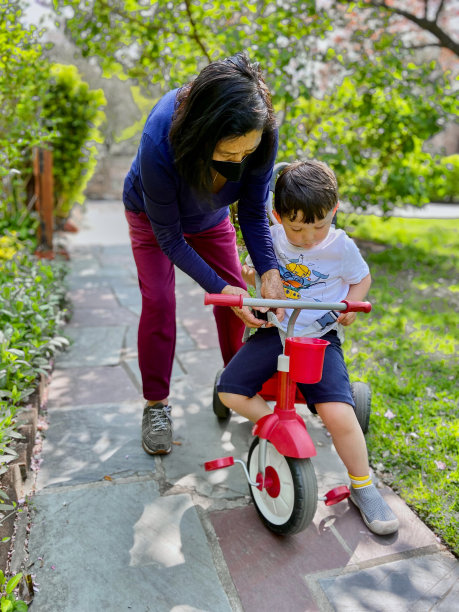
(444, 186)
(42, 106)
(32, 309)
(8, 601)
(73, 112)
(23, 79)
(371, 130)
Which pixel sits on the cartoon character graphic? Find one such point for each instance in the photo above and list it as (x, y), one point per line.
(297, 276)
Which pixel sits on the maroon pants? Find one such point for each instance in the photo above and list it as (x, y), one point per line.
(157, 331)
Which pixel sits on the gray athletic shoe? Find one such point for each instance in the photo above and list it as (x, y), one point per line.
(157, 429)
(376, 514)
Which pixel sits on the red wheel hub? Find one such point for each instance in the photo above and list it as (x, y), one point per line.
(272, 482)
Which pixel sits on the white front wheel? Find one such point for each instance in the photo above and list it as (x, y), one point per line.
(288, 502)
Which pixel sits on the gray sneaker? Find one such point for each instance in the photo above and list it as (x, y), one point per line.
(157, 429)
(376, 514)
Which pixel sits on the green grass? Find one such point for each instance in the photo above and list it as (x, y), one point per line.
(406, 349)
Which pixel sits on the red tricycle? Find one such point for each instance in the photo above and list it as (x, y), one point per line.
(279, 470)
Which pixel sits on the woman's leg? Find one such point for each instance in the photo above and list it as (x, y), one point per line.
(217, 246)
(157, 331)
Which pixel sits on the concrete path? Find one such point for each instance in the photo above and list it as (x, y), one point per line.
(115, 529)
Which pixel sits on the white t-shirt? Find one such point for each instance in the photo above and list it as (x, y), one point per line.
(322, 273)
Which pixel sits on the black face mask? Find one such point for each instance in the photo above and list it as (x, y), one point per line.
(232, 171)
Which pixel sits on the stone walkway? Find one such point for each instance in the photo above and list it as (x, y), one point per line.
(116, 529)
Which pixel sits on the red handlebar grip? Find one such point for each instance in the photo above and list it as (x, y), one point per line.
(357, 306)
(220, 299)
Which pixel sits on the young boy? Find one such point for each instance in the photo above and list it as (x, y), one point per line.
(320, 263)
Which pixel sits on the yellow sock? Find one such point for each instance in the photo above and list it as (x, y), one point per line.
(358, 482)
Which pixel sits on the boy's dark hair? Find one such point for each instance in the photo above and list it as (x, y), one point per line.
(229, 98)
(309, 187)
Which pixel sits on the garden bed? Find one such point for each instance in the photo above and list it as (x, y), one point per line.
(33, 308)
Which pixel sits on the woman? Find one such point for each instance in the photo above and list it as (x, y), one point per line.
(204, 146)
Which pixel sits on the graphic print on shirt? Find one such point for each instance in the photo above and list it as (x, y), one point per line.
(297, 276)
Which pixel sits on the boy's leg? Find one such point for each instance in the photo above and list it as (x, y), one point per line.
(252, 408)
(332, 398)
(350, 445)
(243, 377)
(340, 420)
(217, 246)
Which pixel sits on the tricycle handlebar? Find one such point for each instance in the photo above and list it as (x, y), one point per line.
(220, 299)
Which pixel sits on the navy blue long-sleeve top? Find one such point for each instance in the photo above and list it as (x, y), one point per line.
(154, 186)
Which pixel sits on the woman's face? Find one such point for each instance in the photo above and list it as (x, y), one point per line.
(235, 149)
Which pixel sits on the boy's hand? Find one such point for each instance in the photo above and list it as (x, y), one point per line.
(356, 293)
(347, 318)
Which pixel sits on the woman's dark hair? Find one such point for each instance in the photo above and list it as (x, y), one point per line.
(309, 187)
(228, 99)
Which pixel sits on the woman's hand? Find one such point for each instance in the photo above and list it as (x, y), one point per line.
(248, 274)
(272, 288)
(243, 313)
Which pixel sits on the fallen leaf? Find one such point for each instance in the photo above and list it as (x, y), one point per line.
(108, 478)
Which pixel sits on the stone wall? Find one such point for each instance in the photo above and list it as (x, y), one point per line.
(107, 181)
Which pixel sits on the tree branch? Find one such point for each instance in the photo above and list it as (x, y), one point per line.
(195, 35)
(422, 22)
(439, 10)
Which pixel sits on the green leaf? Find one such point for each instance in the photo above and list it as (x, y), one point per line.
(13, 582)
(6, 605)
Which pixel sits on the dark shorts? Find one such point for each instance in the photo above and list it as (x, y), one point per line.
(256, 362)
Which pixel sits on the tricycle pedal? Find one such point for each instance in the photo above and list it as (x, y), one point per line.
(334, 496)
(216, 464)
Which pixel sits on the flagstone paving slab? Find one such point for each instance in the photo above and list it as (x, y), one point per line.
(100, 297)
(202, 366)
(101, 384)
(201, 437)
(96, 317)
(92, 346)
(138, 551)
(365, 545)
(129, 296)
(418, 584)
(87, 443)
(268, 570)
